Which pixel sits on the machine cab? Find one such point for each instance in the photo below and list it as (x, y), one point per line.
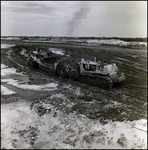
(89, 66)
(94, 67)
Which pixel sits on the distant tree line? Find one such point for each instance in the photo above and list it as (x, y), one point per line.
(138, 39)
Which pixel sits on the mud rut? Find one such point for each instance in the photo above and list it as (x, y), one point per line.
(125, 102)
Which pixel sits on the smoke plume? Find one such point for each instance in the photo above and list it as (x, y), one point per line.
(77, 18)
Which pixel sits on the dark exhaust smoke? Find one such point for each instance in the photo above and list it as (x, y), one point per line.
(77, 18)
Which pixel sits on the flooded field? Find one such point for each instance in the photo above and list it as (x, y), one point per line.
(40, 110)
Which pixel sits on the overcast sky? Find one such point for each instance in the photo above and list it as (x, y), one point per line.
(74, 18)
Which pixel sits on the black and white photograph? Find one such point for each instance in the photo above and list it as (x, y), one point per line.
(73, 74)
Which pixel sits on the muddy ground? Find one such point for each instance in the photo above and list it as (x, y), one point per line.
(131, 94)
(126, 102)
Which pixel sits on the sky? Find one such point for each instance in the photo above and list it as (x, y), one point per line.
(74, 18)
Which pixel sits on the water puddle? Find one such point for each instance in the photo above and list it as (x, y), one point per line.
(6, 45)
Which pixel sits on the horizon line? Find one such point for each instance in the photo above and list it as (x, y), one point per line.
(70, 36)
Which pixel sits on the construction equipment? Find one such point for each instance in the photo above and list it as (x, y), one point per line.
(91, 72)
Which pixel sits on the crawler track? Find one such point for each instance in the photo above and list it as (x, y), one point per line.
(97, 80)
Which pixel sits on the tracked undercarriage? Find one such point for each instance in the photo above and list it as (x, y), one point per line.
(97, 80)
